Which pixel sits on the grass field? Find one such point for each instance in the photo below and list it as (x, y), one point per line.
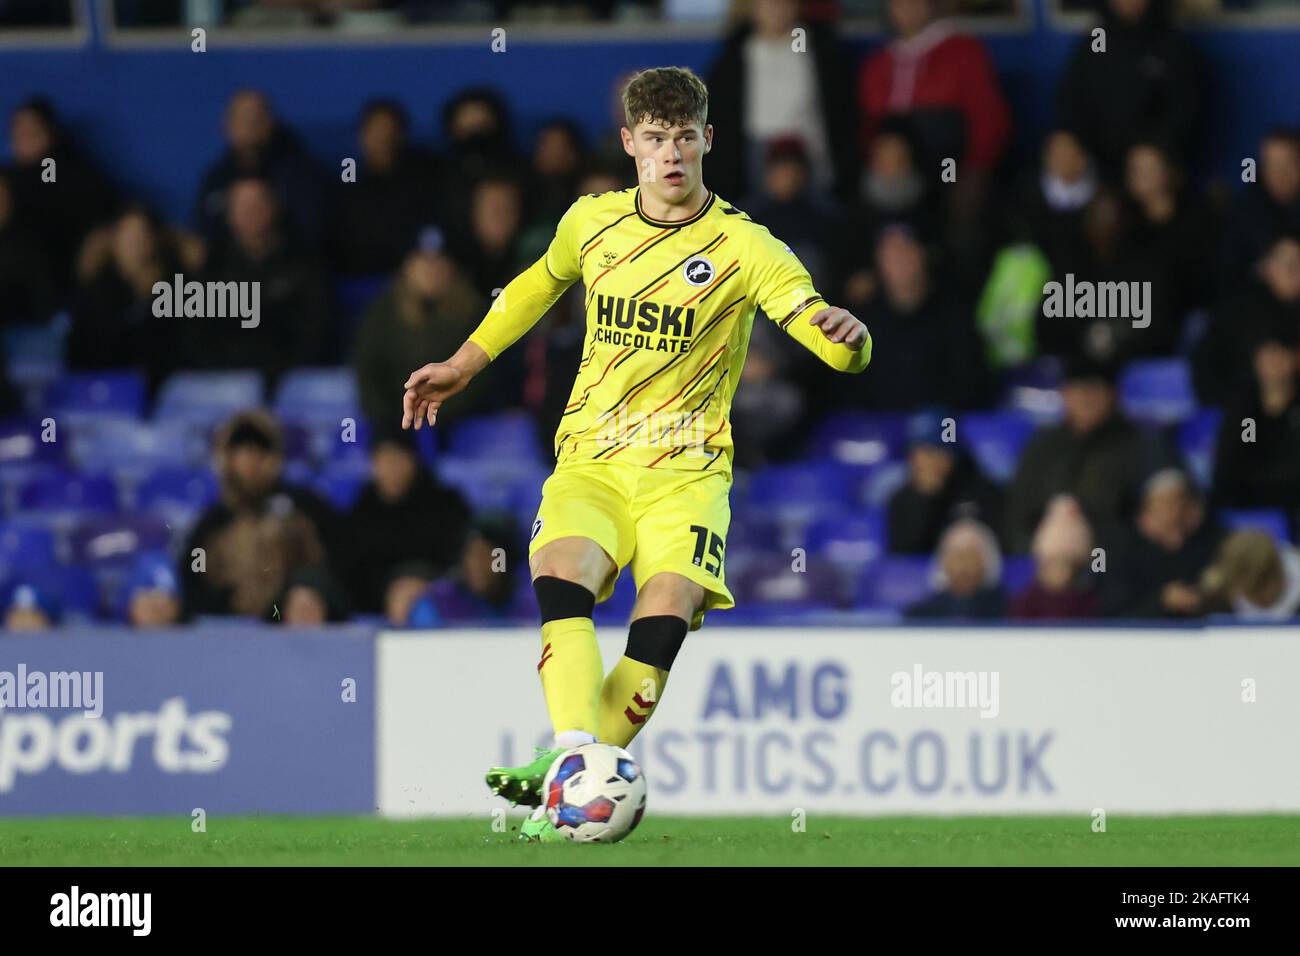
(891, 841)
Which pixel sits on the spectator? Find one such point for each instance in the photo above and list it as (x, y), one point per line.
(403, 514)
(893, 187)
(943, 485)
(490, 253)
(1270, 308)
(293, 324)
(1154, 566)
(405, 585)
(152, 593)
(558, 157)
(914, 316)
(63, 209)
(1255, 578)
(29, 607)
(258, 145)
(1147, 83)
(311, 598)
(966, 578)
(113, 321)
(26, 279)
(944, 81)
(259, 533)
(425, 315)
(483, 587)
(1063, 585)
(1095, 455)
(476, 124)
(1049, 208)
(763, 89)
(1257, 458)
(1262, 212)
(374, 221)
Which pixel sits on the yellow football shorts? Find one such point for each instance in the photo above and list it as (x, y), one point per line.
(656, 520)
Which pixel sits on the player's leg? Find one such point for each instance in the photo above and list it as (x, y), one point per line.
(568, 573)
(665, 606)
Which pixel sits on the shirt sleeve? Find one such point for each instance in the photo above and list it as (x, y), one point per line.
(530, 295)
(782, 288)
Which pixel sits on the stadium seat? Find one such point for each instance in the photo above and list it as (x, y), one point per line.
(353, 295)
(1157, 391)
(493, 484)
(862, 439)
(995, 440)
(71, 594)
(894, 582)
(1032, 390)
(512, 435)
(1271, 520)
(126, 447)
(25, 547)
(73, 494)
(1017, 573)
(34, 354)
(21, 445)
(97, 393)
(309, 394)
(850, 542)
(341, 483)
(1197, 438)
(171, 485)
(116, 539)
(208, 398)
(772, 580)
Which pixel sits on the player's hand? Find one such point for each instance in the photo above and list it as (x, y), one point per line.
(427, 389)
(839, 325)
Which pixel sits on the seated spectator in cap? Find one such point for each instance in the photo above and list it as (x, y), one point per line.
(483, 586)
(1259, 214)
(311, 598)
(786, 204)
(1149, 82)
(260, 145)
(943, 484)
(427, 312)
(405, 585)
(966, 576)
(113, 321)
(59, 216)
(30, 607)
(260, 532)
(1064, 585)
(761, 89)
(1153, 567)
(1257, 457)
(27, 286)
(153, 592)
(1254, 578)
(913, 315)
(403, 514)
(1223, 360)
(372, 222)
(292, 327)
(1095, 454)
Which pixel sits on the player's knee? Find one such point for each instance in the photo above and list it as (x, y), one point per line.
(559, 599)
(656, 640)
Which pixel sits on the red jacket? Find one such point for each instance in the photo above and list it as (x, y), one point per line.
(937, 68)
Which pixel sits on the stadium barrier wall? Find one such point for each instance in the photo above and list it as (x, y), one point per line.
(753, 721)
(225, 722)
(771, 721)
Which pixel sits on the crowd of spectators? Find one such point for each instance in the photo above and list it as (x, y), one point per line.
(844, 161)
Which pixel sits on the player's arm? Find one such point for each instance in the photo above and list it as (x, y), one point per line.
(519, 307)
(784, 290)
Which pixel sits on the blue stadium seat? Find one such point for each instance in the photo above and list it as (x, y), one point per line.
(208, 398)
(329, 440)
(862, 439)
(21, 445)
(34, 354)
(1157, 391)
(125, 446)
(772, 581)
(511, 434)
(493, 484)
(794, 486)
(353, 295)
(177, 485)
(995, 440)
(312, 394)
(1197, 438)
(25, 547)
(1271, 520)
(894, 582)
(1017, 573)
(81, 393)
(853, 542)
(72, 593)
(341, 483)
(116, 539)
(71, 494)
(1032, 390)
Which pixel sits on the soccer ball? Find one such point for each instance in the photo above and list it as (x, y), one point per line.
(595, 793)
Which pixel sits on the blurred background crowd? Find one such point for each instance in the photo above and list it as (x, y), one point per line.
(992, 463)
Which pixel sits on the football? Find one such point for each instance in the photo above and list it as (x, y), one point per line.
(595, 793)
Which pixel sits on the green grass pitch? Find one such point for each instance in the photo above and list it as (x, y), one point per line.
(732, 841)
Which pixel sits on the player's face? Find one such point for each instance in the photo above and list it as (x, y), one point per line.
(669, 159)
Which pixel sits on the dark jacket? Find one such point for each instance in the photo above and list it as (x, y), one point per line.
(1138, 569)
(984, 604)
(917, 520)
(1264, 473)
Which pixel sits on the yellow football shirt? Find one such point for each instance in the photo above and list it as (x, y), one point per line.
(669, 307)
